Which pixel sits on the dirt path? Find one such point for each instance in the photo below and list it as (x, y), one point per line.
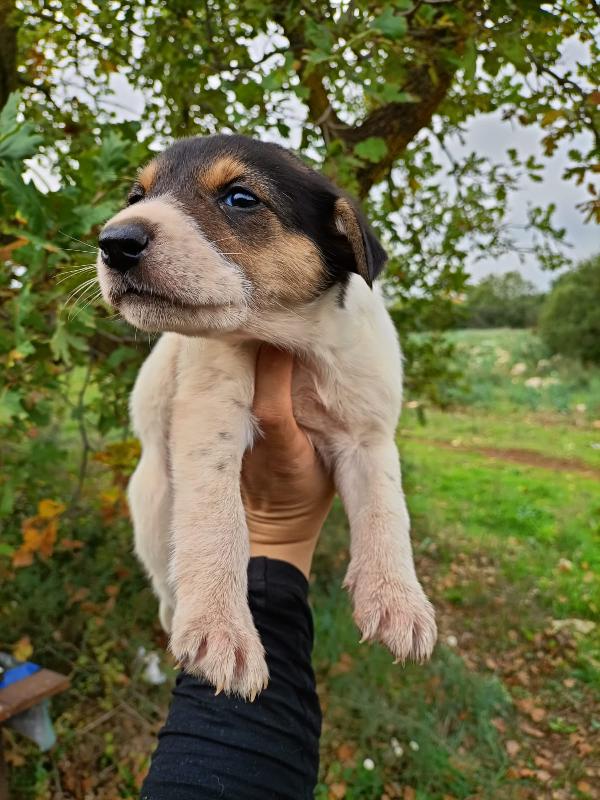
(529, 458)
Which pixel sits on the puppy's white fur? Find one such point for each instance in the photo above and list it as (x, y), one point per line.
(191, 408)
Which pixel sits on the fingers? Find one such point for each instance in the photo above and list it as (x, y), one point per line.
(273, 393)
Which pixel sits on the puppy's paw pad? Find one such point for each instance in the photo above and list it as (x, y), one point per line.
(226, 654)
(398, 615)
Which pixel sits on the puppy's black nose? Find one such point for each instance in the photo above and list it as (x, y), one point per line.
(122, 245)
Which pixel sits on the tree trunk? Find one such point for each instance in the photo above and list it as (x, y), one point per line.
(8, 50)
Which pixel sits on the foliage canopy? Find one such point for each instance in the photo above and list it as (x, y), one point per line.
(376, 93)
(570, 317)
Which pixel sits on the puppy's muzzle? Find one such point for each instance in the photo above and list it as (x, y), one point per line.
(122, 245)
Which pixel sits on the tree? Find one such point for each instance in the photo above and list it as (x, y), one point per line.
(570, 317)
(374, 93)
(500, 301)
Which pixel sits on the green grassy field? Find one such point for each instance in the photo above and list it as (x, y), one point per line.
(504, 492)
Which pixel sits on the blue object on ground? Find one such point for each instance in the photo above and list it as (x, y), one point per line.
(18, 673)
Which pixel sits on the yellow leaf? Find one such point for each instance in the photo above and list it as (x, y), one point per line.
(39, 536)
(47, 544)
(23, 557)
(550, 117)
(22, 649)
(50, 508)
(13, 357)
(110, 496)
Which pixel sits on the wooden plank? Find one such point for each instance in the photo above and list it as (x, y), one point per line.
(30, 691)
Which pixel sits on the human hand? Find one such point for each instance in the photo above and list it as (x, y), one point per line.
(286, 490)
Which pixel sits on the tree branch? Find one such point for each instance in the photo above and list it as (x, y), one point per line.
(396, 123)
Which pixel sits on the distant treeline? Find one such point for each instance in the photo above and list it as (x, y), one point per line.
(500, 301)
(567, 317)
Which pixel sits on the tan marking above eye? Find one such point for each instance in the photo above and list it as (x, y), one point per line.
(147, 175)
(221, 172)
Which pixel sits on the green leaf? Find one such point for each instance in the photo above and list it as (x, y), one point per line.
(390, 25)
(372, 149)
(17, 140)
(470, 60)
(10, 406)
(319, 36)
(90, 215)
(59, 344)
(8, 114)
(24, 196)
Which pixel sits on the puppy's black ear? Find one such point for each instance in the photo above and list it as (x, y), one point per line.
(369, 255)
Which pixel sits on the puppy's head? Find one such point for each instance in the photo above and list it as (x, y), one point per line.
(221, 227)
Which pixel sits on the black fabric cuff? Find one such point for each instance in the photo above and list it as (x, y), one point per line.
(224, 747)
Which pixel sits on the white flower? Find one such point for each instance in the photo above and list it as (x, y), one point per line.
(451, 640)
(534, 383)
(397, 747)
(369, 764)
(519, 368)
(153, 673)
(414, 746)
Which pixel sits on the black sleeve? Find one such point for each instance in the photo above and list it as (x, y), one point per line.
(223, 747)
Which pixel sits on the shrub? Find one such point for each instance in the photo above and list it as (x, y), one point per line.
(501, 301)
(570, 318)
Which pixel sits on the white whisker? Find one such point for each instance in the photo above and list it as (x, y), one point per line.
(81, 289)
(75, 239)
(96, 296)
(72, 273)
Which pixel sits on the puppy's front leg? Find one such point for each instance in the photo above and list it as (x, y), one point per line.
(213, 632)
(389, 604)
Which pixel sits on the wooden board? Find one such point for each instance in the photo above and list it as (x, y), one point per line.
(30, 691)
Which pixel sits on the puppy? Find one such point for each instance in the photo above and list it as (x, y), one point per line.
(227, 242)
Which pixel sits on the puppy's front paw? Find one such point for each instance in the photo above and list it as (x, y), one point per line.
(394, 612)
(223, 649)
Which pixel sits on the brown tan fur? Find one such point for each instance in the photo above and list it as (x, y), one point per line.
(220, 173)
(347, 223)
(147, 175)
(286, 269)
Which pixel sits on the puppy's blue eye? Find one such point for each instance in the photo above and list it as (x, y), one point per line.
(240, 198)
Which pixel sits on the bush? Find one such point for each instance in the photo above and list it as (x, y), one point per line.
(501, 301)
(570, 317)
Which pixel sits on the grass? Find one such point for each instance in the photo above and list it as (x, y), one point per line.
(509, 707)
(556, 438)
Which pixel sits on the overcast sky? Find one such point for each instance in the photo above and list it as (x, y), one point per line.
(489, 136)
